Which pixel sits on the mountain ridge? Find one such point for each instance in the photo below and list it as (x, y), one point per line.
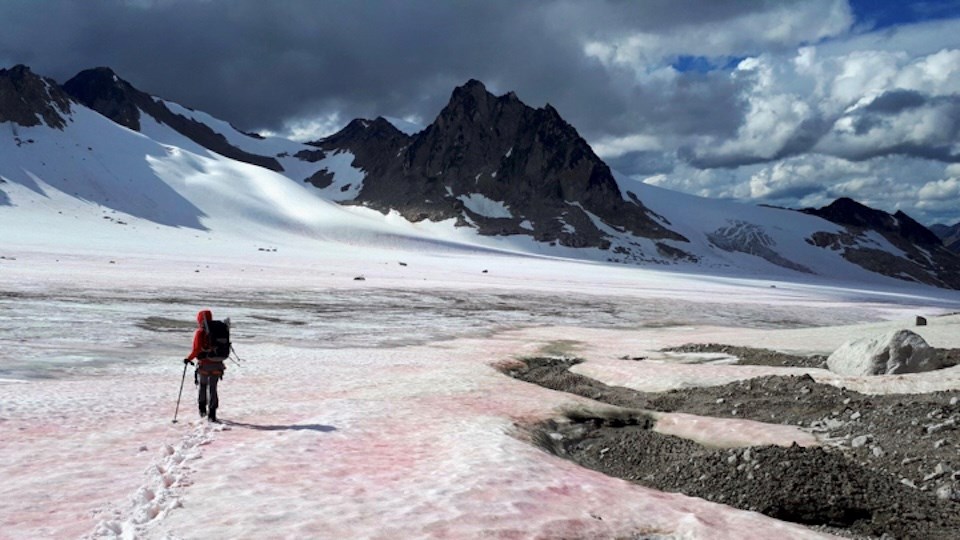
(488, 167)
(102, 90)
(530, 162)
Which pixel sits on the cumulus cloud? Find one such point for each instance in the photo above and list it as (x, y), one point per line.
(785, 103)
(941, 190)
(814, 180)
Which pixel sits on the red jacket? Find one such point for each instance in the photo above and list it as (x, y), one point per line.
(200, 334)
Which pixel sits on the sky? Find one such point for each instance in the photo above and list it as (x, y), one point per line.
(775, 102)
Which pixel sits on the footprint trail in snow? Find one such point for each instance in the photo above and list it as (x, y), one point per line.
(164, 481)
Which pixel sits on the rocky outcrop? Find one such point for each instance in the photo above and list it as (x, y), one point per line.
(743, 237)
(924, 259)
(103, 91)
(499, 165)
(848, 212)
(26, 99)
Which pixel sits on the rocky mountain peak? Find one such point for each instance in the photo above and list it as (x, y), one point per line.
(103, 91)
(27, 99)
(530, 170)
(362, 131)
(846, 211)
(850, 213)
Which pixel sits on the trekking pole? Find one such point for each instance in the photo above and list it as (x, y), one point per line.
(180, 393)
(236, 357)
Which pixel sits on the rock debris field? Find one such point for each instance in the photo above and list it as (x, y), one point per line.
(888, 466)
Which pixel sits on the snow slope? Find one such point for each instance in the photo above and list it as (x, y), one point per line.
(139, 180)
(360, 408)
(745, 239)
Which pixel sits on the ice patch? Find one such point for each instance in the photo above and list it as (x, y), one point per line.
(483, 206)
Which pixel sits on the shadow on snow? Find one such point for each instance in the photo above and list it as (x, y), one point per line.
(295, 427)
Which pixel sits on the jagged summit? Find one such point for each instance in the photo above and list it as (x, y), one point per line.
(490, 165)
(359, 130)
(494, 163)
(27, 99)
(103, 91)
(848, 212)
(926, 260)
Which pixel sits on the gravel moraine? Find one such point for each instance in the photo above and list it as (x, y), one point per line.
(889, 465)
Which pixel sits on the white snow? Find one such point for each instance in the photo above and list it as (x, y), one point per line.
(349, 423)
(695, 217)
(359, 409)
(347, 181)
(481, 205)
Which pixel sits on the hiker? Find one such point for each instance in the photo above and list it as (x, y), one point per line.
(211, 347)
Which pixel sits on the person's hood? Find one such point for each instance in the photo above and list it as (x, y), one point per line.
(204, 315)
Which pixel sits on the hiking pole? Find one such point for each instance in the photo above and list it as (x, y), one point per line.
(180, 393)
(236, 356)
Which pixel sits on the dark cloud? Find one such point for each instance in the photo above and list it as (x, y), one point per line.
(261, 65)
(258, 63)
(692, 104)
(643, 163)
(888, 123)
(896, 101)
(788, 195)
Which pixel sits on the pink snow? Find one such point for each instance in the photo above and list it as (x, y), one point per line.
(382, 443)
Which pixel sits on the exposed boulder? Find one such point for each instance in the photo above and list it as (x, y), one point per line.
(899, 351)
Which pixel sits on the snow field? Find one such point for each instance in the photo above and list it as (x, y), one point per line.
(362, 409)
(362, 443)
(662, 372)
(417, 442)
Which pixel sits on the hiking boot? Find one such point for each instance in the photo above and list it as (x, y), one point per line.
(203, 411)
(213, 416)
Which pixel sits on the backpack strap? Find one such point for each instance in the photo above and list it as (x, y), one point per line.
(206, 337)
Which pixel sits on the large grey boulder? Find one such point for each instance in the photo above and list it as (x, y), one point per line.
(900, 351)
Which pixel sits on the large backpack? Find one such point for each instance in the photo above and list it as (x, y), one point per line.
(218, 341)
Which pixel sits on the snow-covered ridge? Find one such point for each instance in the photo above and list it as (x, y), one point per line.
(167, 178)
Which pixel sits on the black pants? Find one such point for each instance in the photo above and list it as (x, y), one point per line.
(208, 388)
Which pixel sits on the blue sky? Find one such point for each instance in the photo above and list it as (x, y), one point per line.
(774, 102)
(879, 14)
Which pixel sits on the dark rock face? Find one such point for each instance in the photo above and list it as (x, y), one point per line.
(927, 260)
(27, 99)
(103, 91)
(845, 211)
(541, 177)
